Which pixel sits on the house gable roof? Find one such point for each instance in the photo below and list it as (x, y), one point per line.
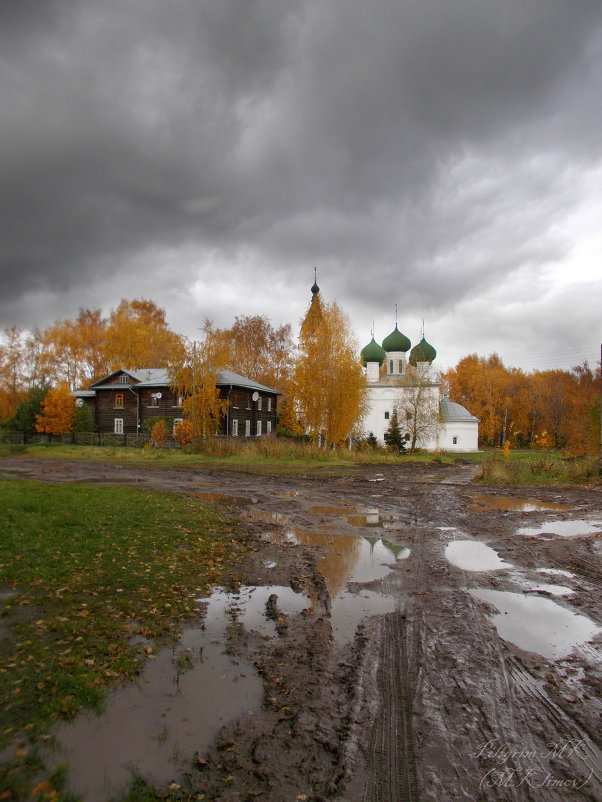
(159, 377)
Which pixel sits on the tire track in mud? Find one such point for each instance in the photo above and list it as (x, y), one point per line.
(576, 748)
(391, 759)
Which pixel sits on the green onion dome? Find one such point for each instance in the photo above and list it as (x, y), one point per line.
(373, 353)
(422, 352)
(315, 289)
(396, 341)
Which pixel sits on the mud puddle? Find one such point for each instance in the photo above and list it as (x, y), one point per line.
(536, 624)
(472, 555)
(344, 560)
(556, 572)
(224, 498)
(248, 606)
(348, 559)
(484, 501)
(571, 528)
(533, 586)
(360, 517)
(153, 728)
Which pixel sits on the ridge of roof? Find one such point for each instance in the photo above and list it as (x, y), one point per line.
(153, 377)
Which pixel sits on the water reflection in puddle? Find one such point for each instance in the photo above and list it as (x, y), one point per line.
(343, 559)
(572, 528)
(484, 501)
(266, 517)
(358, 516)
(472, 555)
(352, 558)
(215, 498)
(153, 727)
(537, 625)
(532, 586)
(556, 572)
(248, 607)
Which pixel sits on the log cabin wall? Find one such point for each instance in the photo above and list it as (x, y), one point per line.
(249, 418)
(152, 407)
(116, 404)
(123, 403)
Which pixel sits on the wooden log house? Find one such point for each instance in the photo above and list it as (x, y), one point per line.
(122, 401)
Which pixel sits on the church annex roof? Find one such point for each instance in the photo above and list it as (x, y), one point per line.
(452, 412)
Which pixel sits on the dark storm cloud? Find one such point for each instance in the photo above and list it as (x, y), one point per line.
(411, 141)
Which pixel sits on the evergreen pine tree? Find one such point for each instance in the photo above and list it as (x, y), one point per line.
(24, 419)
(393, 436)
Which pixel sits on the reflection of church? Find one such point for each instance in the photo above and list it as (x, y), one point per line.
(410, 386)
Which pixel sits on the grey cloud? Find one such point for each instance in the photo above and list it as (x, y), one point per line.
(297, 132)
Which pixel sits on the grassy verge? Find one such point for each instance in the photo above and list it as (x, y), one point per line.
(262, 456)
(539, 469)
(82, 571)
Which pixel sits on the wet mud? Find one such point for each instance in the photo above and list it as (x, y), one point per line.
(398, 634)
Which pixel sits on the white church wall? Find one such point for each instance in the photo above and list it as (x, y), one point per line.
(459, 436)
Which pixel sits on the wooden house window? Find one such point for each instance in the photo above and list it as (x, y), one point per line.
(235, 428)
(247, 428)
(269, 404)
(118, 400)
(259, 403)
(118, 426)
(177, 422)
(123, 379)
(258, 428)
(268, 427)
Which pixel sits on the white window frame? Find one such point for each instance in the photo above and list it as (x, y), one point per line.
(258, 433)
(177, 422)
(269, 404)
(247, 428)
(123, 379)
(118, 426)
(268, 427)
(234, 427)
(259, 402)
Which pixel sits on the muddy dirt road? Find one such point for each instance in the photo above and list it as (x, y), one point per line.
(414, 636)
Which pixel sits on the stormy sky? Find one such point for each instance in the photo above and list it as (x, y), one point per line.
(441, 155)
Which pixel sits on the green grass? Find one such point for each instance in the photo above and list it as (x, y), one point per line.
(261, 456)
(537, 468)
(82, 570)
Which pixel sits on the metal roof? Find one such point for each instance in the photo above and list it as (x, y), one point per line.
(229, 377)
(159, 377)
(450, 411)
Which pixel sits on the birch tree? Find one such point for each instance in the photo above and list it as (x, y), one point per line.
(329, 384)
(193, 376)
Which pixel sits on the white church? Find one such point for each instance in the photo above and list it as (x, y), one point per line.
(410, 387)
